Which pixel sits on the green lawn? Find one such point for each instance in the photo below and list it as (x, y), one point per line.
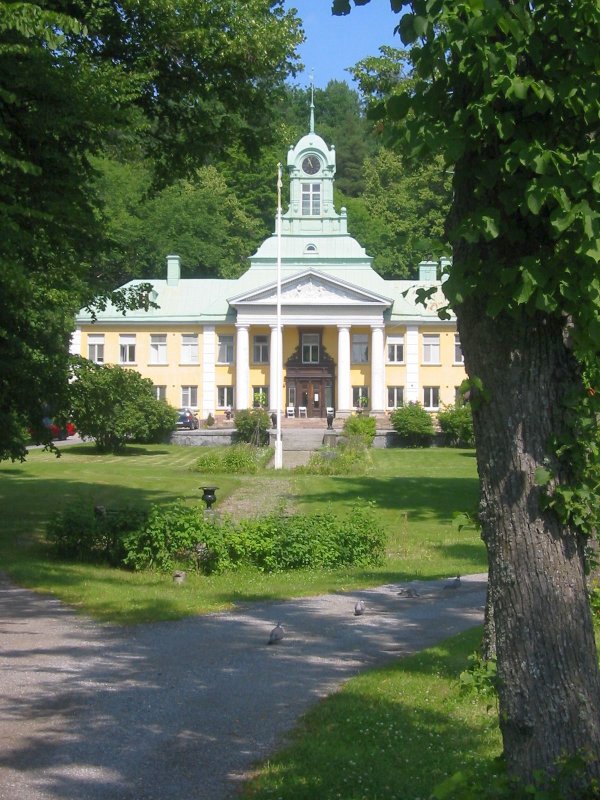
(416, 493)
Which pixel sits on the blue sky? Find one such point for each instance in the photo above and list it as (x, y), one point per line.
(334, 43)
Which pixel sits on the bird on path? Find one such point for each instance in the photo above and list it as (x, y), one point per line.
(359, 608)
(276, 634)
(408, 593)
(453, 584)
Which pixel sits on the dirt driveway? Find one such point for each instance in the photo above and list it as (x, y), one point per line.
(183, 709)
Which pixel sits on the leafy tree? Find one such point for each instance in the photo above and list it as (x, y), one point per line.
(413, 424)
(456, 422)
(507, 91)
(175, 80)
(113, 405)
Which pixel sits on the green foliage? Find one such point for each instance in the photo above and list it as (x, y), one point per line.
(210, 421)
(456, 423)
(413, 424)
(78, 80)
(236, 459)
(495, 784)
(177, 534)
(359, 425)
(481, 677)
(82, 533)
(113, 405)
(350, 457)
(252, 425)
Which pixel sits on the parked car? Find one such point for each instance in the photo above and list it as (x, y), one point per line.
(61, 432)
(187, 419)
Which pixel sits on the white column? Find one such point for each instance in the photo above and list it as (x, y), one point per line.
(411, 346)
(344, 389)
(275, 351)
(242, 366)
(377, 369)
(209, 359)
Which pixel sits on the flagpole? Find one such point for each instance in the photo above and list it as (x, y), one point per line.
(278, 460)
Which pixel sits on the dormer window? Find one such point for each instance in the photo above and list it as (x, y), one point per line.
(311, 199)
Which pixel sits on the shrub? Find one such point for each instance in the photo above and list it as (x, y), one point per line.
(350, 457)
(83, 533)
(456, 423)
(359, 425)
(252, 425)
(177, 534)
(413, 424)
(237, 459)
(113, 405)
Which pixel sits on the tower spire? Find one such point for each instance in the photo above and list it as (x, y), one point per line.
(312, 102)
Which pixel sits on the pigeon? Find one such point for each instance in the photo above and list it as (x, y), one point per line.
(359, 608)
(453, 584)
(276, 634)
(408, 593)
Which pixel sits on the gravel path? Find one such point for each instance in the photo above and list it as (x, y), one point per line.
(184, 709)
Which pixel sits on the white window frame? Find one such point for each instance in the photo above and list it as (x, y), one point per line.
(160, 392)
(189, 348)
(395, 396)
(358, 392)
(458, 353)
(225, 349)
(395, 349)
(431, 348)
(310, 341)
(96, 348)
(127, 346)
(189, 397)
(260, 349)
(260, 392)
(158, 348)
(430, 395)
(311, 199)
(360, 348)
(224, 396)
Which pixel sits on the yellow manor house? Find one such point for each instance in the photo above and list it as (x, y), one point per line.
(349, 339)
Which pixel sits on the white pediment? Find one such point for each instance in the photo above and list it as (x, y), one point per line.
(311, 288)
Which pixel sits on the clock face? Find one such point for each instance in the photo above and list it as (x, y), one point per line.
(311, 164)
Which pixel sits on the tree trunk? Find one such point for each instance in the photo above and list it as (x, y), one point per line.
(547, 661)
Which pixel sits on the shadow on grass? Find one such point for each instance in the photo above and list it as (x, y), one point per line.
(397, 741)
(424, 497)
(130, 451)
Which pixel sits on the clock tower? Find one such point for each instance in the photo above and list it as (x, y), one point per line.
(311, 166)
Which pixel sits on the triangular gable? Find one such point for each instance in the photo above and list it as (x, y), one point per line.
(311, 287)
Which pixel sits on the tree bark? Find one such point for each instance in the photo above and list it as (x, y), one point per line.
(549, 694)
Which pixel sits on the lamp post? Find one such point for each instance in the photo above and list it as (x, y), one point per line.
(278, 459)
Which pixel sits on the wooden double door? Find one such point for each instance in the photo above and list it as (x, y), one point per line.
(314, 393)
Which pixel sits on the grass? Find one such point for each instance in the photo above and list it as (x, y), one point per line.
(416, 493)
(391, 733)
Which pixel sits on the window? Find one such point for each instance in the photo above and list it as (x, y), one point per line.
(395, 396)
(291, 396)
(127, 348)
(431, 348)
(458, 353)
(96, 348)
(360, 396)
(395, 349)
(189, 348)
(160, 392)
(360, 348)
(189, 397)
(310, 348)
(225, 349)
(224, 396)
(260, 396)
(261, 349)
(431, 398)
(311, 199)
(158, 348)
